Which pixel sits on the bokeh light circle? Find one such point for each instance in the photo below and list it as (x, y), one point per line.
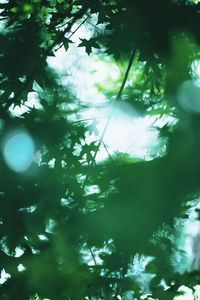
(18, 151)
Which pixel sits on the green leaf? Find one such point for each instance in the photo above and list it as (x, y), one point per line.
(27, 8)
(66, 43)
(14, 9)
(89, 44)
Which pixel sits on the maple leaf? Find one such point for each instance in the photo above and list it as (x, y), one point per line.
(66, 43)
(89, 44)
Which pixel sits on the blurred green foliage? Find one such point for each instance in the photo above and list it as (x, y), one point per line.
(77, 224)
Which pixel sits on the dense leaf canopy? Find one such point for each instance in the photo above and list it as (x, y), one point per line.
(71, 227)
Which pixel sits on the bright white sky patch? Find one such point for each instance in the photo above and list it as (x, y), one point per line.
(79, 72)
(187, 294)
(4, 276)
(127, 132)
(129, 135)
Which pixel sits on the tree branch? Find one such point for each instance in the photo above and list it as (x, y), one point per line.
(77, 16)
(75, 30)
(119, 94)
(126, 75)
(29, 80)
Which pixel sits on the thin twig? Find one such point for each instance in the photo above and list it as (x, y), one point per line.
(110, 115)
(61, 36)
(93, 257)
(74, 31)
(95, 262)
(126, 75)
(105, 147)
(79, 26)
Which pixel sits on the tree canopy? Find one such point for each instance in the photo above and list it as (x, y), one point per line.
(72, 227)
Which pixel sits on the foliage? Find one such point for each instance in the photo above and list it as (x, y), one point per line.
(79, 224)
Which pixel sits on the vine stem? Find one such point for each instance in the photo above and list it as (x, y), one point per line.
(119, 94)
